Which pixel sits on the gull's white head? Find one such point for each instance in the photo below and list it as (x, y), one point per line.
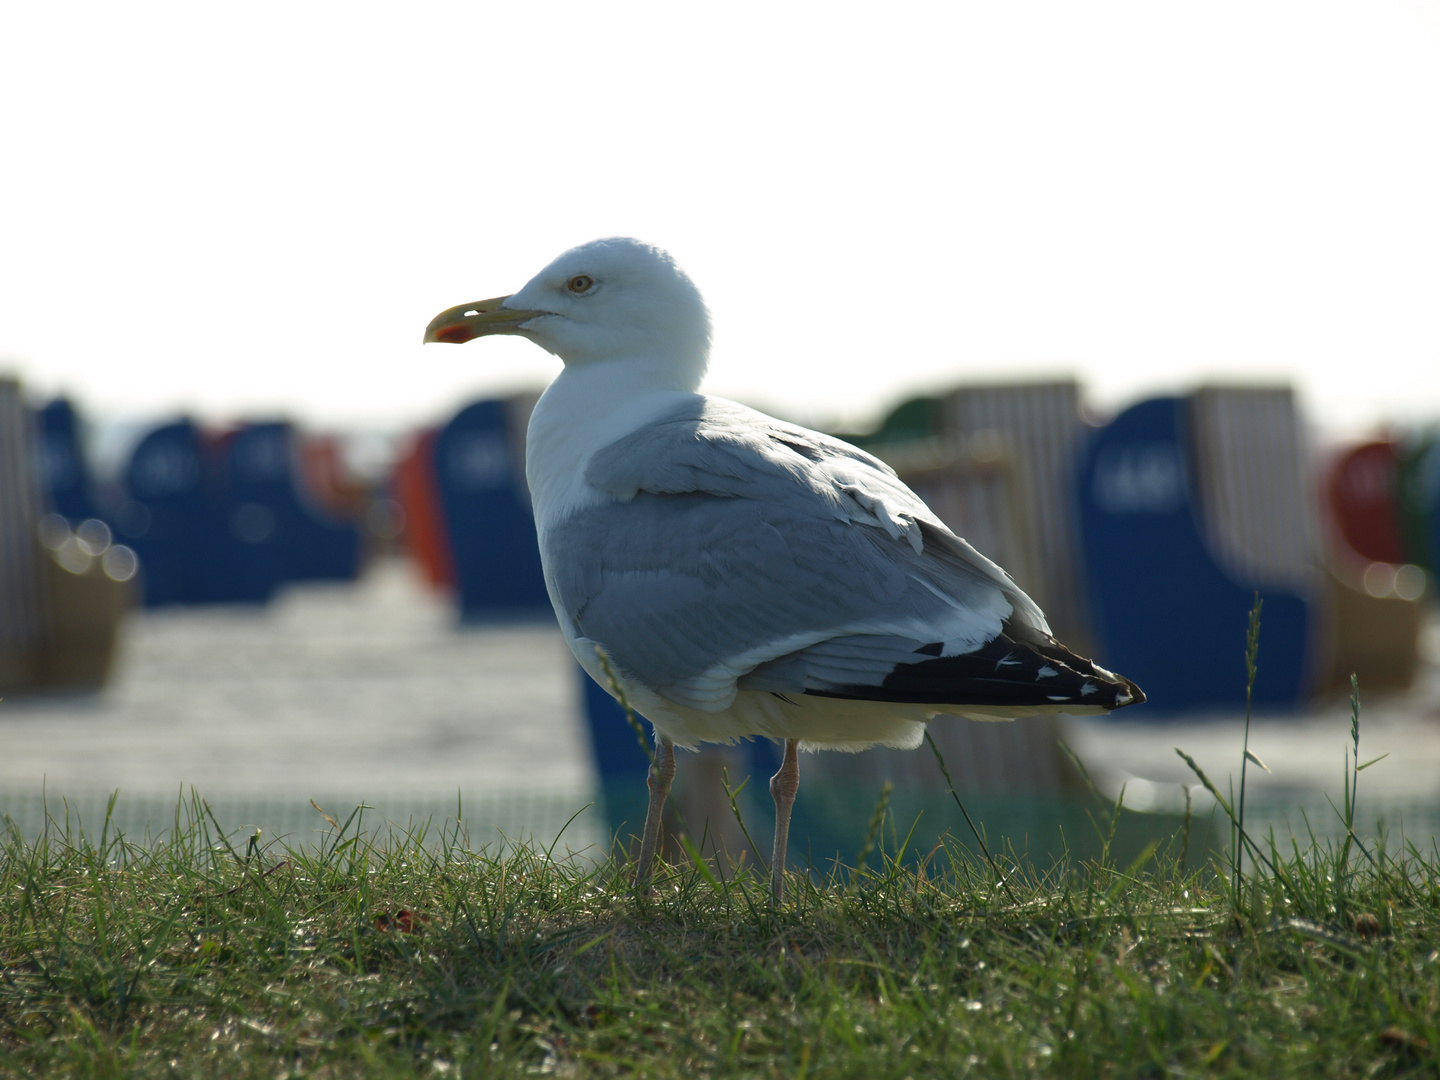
(609, 300)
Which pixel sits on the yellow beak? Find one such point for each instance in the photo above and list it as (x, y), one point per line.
(462, 322)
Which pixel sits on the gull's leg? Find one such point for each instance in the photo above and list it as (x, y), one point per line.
(662, 771)
(783, 786)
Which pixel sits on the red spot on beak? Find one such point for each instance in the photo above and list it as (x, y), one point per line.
(454, 334)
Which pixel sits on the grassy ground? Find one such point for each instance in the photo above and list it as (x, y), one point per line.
(201, 956)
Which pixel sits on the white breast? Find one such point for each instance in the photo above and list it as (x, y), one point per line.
(583, 411)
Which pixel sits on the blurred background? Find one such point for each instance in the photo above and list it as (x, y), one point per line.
(1141, 298)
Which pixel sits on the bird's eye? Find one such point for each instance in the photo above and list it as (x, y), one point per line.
(580, 283)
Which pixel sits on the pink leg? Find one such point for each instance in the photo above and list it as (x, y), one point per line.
(783, 786)
(662, 771)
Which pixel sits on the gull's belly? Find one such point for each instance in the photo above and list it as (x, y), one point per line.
(818, 722)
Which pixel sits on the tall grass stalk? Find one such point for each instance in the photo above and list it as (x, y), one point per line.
(949, 783)
(877, 822)
(619, 692)
(1351, 785)
(1295, 877)
(1252, 654)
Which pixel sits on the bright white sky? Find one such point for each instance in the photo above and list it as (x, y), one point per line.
(255, 208)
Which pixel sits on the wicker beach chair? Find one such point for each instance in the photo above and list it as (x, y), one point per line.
(61, 600)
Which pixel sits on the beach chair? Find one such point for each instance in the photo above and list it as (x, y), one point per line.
(1255, 486)
(69, 490)
(1258, 494)
(913, 420)
(21, 604)
(415, 488)
(262, 483)
(61, 599)
(1039, 429)
(1361, 488)
(326, 480)
(970, 484)
(1419, 501)
(480, 474)
(1169, 609)
(196, 546)
(1377, 596)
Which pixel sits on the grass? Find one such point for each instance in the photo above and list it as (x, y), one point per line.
(413, 955)
(199, 954)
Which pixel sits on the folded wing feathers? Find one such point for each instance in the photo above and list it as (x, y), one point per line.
(725, 451)
(1002, 672)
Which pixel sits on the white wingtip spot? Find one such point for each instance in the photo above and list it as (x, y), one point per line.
(1046, 672)
(1087, 689)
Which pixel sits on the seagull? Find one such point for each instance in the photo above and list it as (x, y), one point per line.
(741, 576)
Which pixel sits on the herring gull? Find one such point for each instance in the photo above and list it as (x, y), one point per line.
(747, 577)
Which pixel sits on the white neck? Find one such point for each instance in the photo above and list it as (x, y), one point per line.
(587, 408)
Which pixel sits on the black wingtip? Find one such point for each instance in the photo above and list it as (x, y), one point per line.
(1132, 693)
(1003, 672)
(1137, 696)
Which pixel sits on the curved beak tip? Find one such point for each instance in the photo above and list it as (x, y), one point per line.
(463, 322)
(450, 334)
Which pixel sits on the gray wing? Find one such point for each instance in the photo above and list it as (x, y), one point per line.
(738, 539)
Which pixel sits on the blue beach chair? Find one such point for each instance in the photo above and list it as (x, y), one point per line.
(1165, 611)
(194, 547)
(62, 465)
(487, 513)
(268, 505)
